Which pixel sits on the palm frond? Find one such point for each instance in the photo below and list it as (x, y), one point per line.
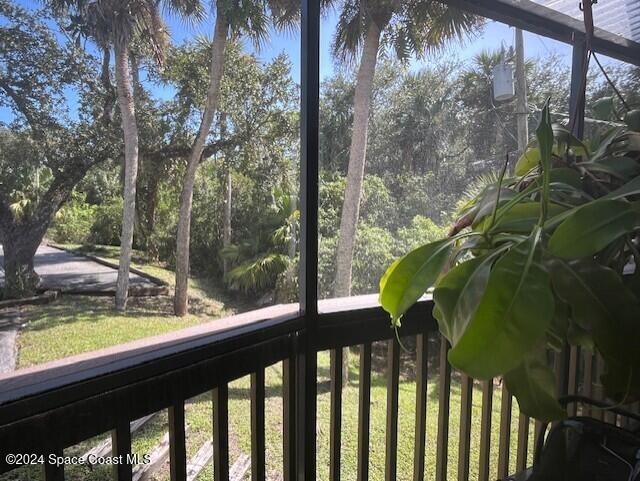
(350, 31)
(257, 274)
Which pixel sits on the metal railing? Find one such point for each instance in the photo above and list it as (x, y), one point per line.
(46, 409)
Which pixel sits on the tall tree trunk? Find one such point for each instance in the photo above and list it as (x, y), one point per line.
(186, 198)
(130, 131)
(355, 172)
(19, 248)
(357, 154)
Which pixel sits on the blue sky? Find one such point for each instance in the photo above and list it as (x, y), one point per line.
(494, 35)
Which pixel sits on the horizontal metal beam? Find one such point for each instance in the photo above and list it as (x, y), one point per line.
(536, 18)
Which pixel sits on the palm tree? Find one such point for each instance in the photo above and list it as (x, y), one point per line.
(409, 27)
(114, 23)
(233, 17)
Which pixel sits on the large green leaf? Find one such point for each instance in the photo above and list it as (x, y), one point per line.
(410, 276)
(533, 385)
(512, 317)
(527, 161)
(565, 175)
(603, 108)
(545, 136)
(592, 227)
(599, 300)
(607, 310)
(521, 218)
(487, 203)
(632, 119)
(458, 294)
(630, 188)
(620, 167)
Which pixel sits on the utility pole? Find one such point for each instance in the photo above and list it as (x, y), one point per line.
(522, 107)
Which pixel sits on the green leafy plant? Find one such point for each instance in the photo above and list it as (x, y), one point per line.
(537, 260)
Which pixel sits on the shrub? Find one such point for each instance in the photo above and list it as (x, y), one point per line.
(73, 222)
(422, 230)
(107, 224)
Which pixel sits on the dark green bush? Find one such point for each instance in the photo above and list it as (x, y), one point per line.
(107, 224)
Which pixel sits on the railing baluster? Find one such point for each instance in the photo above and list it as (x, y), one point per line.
(610, 417)
(587, 383)
(464, 448)
(393, 384)
(539, 429)
(598, 392)
(604, 414)
(485, 430)
(221, 433)
(561, 369)
(177, 442)
(121, 446)
(289, 420)
(364, 412)
(53, 472)
(505, 433)
(421, 407)
(336, 414)
(523, 442)
(258, 445)
(572, 380)
(444, 386)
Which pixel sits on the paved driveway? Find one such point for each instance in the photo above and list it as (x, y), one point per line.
(63, 271)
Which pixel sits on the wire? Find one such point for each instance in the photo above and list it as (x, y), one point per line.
(604, 72)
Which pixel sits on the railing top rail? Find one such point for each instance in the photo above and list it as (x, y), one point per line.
(347, 321)
(126, 363)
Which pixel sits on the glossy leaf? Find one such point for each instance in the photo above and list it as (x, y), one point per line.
(522, 217)
(458, 294)
(512, 317)
(564, 175)
(619, 167)
(630, 188)
(564, 136)
(527, 161)
(603, 108)
(605, 308)
(592, 227)
(409, 277)
(533, 385)
(545, 136)
(632, 119)
(488, 202)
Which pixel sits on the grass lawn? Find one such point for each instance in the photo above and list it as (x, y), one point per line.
(76, 324)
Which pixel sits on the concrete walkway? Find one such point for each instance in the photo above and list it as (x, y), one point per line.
(63, 271)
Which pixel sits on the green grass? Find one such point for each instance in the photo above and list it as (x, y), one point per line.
(76, 324)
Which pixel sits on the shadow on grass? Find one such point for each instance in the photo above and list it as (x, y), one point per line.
(72, 309)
